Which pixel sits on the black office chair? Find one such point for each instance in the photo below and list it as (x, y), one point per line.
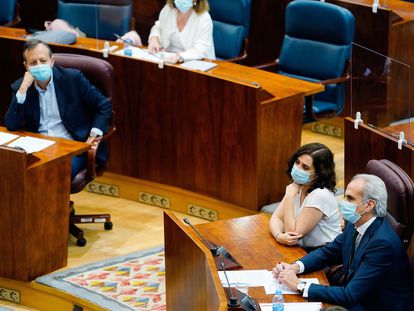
(100, 73)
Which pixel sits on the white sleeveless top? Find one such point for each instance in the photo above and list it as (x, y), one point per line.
(329, 226)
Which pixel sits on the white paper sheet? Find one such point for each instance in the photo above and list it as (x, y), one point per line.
(6, 137)
(147, 55)
(270, 284)
(253, 278)
(295, 306)
(198, 65)
(31, 144)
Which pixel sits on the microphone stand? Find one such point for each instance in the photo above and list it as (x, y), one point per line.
(233, 302)
(215, 251)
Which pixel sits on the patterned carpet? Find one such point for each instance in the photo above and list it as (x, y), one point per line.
(132, 282)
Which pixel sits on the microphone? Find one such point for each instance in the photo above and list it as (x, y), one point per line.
(232, 302)
(214, 249)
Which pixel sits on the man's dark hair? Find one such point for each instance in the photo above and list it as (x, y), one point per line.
(33, 43)
(323, 163)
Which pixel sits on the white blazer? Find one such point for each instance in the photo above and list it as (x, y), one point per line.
(196, 37)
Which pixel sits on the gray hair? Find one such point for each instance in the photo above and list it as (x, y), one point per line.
(374, 189)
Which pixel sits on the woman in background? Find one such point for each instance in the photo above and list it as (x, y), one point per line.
(308, 215)
(185, 28)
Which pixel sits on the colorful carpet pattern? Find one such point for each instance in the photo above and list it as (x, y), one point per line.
(133, 282)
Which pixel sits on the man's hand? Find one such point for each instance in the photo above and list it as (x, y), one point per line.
(26, 83)
(283, 266)
(288, 278)
(289, 238)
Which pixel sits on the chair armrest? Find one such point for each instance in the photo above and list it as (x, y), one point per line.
(267, 66)
(92, 167)
(243, 54)
(345, 77)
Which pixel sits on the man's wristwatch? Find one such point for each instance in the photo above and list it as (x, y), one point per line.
(301, 287)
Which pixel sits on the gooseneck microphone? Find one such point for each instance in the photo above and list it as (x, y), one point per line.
(214, 249)
(232, 301)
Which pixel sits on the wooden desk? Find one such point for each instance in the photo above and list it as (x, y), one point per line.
(191, 276)
(34, 213)
(226, 133)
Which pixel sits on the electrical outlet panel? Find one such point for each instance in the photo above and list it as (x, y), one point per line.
(153, 199)
(10, 294)
(202, 212)
(100, 188)
(327, 129)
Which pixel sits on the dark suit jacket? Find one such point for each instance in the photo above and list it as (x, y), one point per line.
(81, 106)
(379, 277)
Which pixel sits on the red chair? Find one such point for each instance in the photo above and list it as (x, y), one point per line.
(100, 73)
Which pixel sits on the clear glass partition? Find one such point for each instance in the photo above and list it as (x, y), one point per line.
(381, 92)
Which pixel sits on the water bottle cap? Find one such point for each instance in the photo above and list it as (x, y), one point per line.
(278, 291)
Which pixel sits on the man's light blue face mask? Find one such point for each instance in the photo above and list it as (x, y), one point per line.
(41, 72)
(348, 211)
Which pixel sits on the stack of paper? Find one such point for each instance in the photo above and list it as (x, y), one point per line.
(6, 137)
(31, 144)
(198, 65)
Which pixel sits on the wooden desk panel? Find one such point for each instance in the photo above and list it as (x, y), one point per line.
(226, 133)
(34, 213)
(249, 240)
(368, 143)
(190, 266)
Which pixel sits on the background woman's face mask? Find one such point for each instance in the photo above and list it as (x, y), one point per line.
(299, 176)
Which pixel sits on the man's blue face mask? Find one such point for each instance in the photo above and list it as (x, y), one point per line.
(183, 5)
(348, 211)
(41, 72)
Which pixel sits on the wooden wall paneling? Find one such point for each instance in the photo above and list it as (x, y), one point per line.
(277, 141)
(35, 13)
(368, 143)
(146, 13)
(267, 28)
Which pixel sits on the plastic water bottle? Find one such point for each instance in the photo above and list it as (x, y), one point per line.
(278, 301)
(128, 47)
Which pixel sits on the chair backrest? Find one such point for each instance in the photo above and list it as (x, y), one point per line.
(7, 11)
(231, 22)
(400, 188)
(318, 38)
(98, 71)
(97, 18)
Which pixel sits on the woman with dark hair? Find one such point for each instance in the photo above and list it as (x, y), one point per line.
(308, 215)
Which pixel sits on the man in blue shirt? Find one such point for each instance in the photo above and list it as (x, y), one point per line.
(376, 271)
(58, 102)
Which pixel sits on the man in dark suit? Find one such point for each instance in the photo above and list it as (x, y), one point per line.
(58, 102)
(377, 275)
